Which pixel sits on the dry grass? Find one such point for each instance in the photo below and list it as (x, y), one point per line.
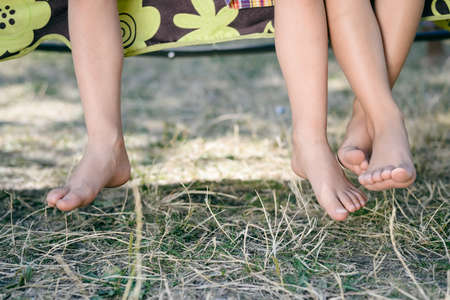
(213, 211)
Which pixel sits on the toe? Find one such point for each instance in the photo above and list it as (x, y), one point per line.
(351, 158)
(362, 178)
(360, 196)
(386, 173)
(334, 208)
(346, 202)
(377, 175)
(370, 178)
(366, 178)
(354, 199)
(403, 175)
(355, 156)
(69, 202)
(55, 195)
(338, 213)
(364, 165)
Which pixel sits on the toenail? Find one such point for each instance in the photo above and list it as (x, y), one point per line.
(341, 210)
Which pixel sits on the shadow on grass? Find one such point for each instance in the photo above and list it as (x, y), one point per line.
(14, 159)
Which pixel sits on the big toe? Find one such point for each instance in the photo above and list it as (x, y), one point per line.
(339, 214)
(55, 195)
(353, 159)
(70, 202)
(353, 155)
(403, 174)
(335, 209)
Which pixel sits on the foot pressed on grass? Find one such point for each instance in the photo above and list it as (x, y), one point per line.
(315, 161)
(355, 151)
(391, 164)
(102, 166)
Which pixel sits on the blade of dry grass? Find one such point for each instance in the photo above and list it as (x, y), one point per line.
(70, 273)
(399, 255)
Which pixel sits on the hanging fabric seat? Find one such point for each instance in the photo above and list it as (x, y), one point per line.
(152, 25)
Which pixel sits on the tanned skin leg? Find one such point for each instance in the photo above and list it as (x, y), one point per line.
(358, 45)
(302, 49)
(398, 22)
(98, 56)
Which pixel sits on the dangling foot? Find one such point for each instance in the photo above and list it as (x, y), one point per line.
(391, 164)
(355, 150)
(314, 160)
(101, 166)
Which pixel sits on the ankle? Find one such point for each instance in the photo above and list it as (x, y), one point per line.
(386, 120)
(357, 108)
(308, 137)
(108, 142)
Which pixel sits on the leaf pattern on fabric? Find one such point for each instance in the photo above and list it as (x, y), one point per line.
(269, 28)
(138, 23)
(18, 20)
(207, 24)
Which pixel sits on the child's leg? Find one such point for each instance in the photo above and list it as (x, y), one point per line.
(358, 45)
(398, 22)
(302, 49)
(97, 54)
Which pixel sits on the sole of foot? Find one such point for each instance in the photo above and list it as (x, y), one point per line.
(391, 164)
(334, 192)
(99, 168)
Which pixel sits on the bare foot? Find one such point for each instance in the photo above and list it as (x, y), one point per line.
(355, 151)
(101, 166)
(391, 164)
(315, 161)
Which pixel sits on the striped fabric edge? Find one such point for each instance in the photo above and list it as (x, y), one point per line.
(238, 4)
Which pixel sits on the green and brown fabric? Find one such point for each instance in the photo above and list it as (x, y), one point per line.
(151, 25)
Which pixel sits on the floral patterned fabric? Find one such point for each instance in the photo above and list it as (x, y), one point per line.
(17, 24)
(151, 25)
